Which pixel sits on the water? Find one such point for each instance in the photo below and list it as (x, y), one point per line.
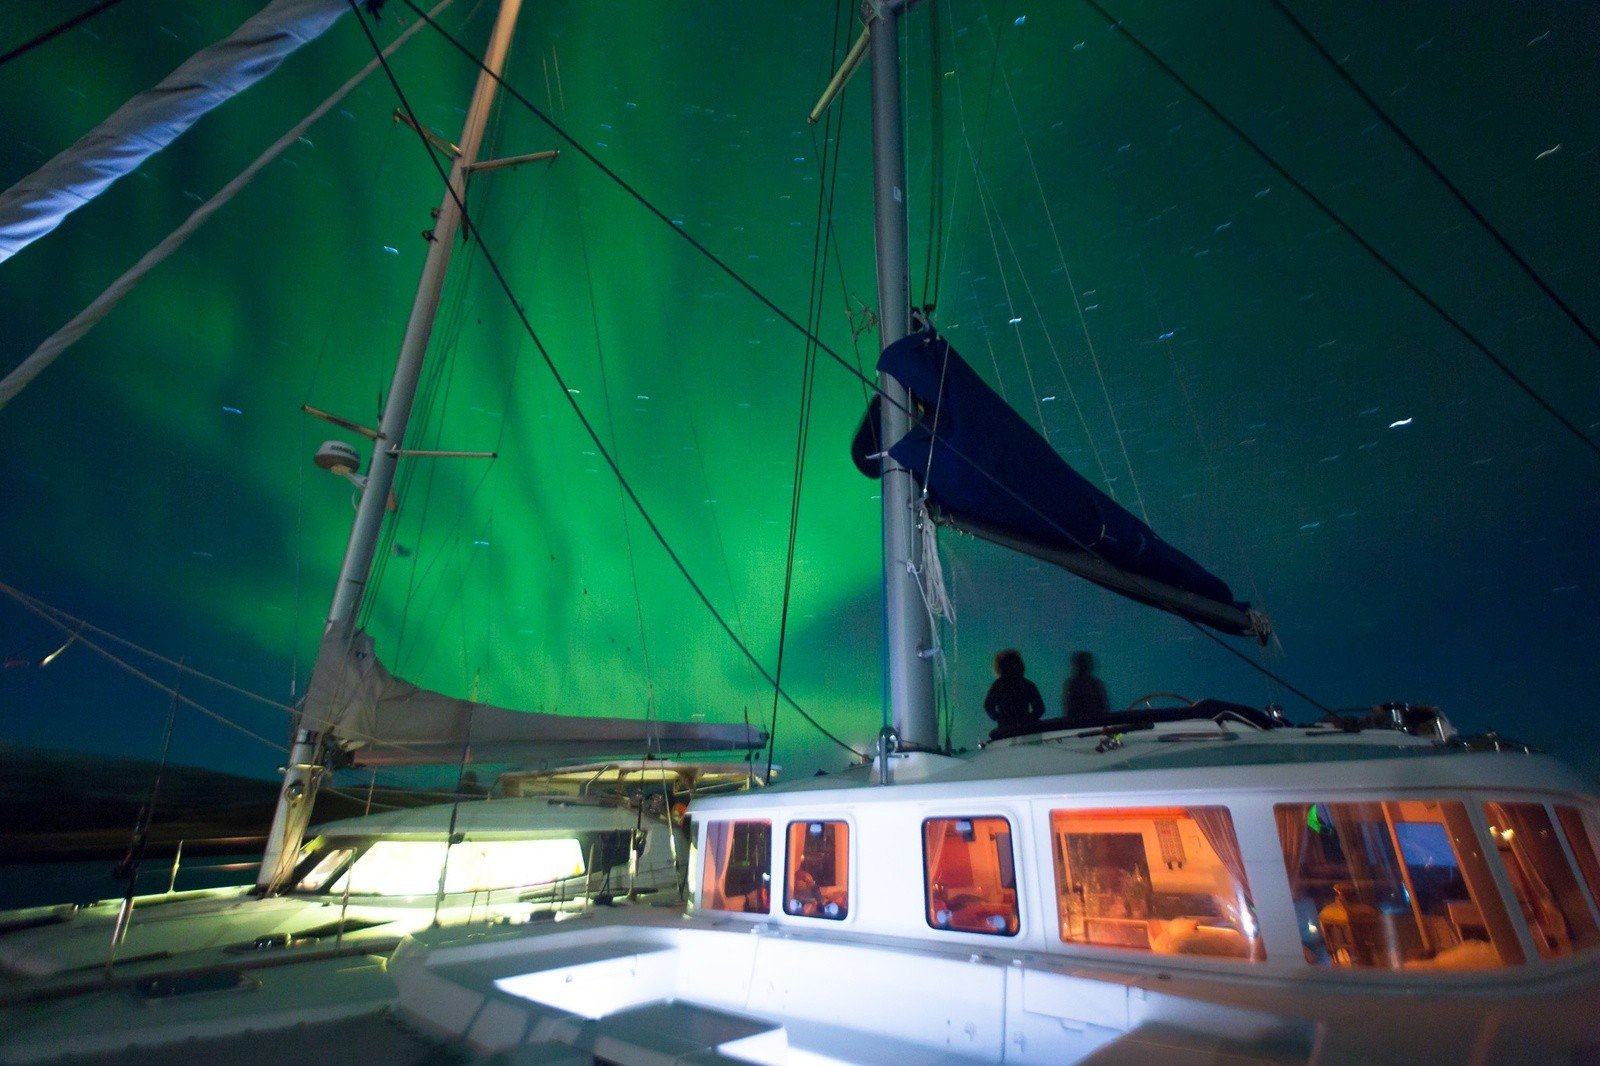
(33, 884)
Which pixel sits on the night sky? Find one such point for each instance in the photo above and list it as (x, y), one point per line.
(1281, 407)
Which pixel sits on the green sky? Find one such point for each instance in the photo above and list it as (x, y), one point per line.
(1249, 362)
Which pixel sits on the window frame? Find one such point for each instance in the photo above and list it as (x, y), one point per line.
(701, 895)
(1261, 912)
(1017, 875)
(849, 867)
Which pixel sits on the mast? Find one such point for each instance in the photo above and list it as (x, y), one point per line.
(305, 769)
(908, 632)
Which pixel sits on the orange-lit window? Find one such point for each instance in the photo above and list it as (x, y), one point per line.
(971, 882)
(1582, 844)
(1397, 885)
(738, 869)
(1169, 880)
(1546, 888)
(817, 884)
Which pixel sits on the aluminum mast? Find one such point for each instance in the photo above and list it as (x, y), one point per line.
(305, 769)
(909, 636)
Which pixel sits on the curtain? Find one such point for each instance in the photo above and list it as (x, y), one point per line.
(1292, 833)
(1217, 826)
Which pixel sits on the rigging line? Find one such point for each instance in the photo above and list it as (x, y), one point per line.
(983, 197)
(142, 676)
(623, 184)
(67, 622)
(808, 377)
(588, 427)
(1077, 302)
(1366, 245)
(56, 31)
(1426, 161)
(611, 424)
(817, 284)
(1259, 667)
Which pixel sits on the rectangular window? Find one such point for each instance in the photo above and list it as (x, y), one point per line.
(1582, 844)
(1542, 879)
(412, 867)
(738, 867)
(817, 884)
(1397, 885)
(971, 880)
(1168, 880)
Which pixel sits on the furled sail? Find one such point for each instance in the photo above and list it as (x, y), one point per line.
(158, 116)
(385, 720)
(988, 473)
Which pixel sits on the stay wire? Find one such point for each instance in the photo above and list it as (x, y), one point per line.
(808, 373)
(1423, 158)
(1483, 349)
(549, 361)
(51, 34)
(760, 297)
(48, 614)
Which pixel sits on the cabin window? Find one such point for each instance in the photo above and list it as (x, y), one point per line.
(817, 884)
(971, 881)
(328, 865)
(1168, 880)
(738, 867)
(1582, 844)
(1398, 885)
(411, 867)
(1542, 879)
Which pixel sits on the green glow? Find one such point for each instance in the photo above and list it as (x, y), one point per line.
(1425, 563)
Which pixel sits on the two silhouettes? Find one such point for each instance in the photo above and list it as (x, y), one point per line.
(1014, 701)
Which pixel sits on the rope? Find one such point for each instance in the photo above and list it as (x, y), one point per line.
(1365, 245)
(808, 377)
(1077, 302)
(1426, 161)
(53, 33)
(470, 229)
(47, 614)
(1072, 394)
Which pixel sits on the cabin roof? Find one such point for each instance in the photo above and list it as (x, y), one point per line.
(1178, 759)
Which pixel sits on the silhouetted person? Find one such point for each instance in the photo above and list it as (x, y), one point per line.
(1013, 701)
(1083, 697)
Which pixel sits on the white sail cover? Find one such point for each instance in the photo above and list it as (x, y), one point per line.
(155, 118)
(355, 700)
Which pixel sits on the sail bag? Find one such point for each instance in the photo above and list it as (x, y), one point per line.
(987, 472)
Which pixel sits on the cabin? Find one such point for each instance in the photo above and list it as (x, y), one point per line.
(1199, 886)
(1213, 845)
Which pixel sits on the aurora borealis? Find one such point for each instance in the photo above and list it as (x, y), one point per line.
(1417, 527)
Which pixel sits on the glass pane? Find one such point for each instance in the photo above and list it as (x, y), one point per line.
(325, 868)
(818, 881)
(411, 867)
(738, 867)
(1168, 880)
(1546, 888)
(1398, 885)
(971, 882)
(1582, 844)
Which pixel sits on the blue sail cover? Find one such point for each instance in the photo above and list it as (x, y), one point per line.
(993, 475)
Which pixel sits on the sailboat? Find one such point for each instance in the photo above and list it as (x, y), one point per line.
(356, 886)
(1201, 882)
(1208, 881)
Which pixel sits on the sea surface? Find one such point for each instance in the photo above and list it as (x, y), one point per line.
(33, 884)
